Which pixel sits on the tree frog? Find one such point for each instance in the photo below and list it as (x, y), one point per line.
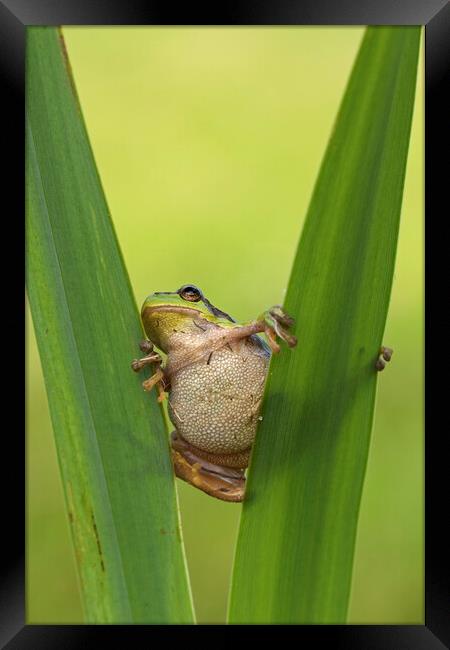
(214, 375)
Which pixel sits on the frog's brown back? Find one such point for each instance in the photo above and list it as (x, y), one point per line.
(215, 403)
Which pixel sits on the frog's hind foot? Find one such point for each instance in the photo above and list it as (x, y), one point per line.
(218, 481)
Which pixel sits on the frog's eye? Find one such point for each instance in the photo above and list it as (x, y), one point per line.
(190, 293)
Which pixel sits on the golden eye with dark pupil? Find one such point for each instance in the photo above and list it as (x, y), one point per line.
(190, 293)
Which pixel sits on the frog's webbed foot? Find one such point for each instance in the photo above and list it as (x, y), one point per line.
(385, 355)
(221, 482)
(276, 323)
(158, 378)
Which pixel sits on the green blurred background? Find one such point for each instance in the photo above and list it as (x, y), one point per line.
(208, 142)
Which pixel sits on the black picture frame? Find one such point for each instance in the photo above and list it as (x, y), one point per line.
(434, 15)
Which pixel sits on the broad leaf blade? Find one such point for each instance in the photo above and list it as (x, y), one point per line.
(110, 436)
(296, 541)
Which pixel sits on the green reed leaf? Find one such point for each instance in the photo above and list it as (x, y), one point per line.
(297, 534)
(110, 435)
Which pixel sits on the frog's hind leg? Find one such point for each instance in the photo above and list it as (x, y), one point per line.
(237, 460)
(220, 481)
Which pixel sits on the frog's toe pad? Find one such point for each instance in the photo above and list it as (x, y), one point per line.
(384, 356)
(278, 322)
(219, 482)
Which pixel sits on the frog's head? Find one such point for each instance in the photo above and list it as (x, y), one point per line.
(167, 312)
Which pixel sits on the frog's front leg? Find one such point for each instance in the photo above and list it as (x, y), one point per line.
(200, 470)
(273, 322)
(158, 378)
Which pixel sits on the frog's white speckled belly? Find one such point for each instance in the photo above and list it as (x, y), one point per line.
(216, 406)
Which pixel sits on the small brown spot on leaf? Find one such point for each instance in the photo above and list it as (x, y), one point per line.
(67, 65)
(99, 547)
